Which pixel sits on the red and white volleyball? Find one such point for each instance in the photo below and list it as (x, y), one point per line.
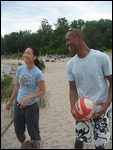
(84, 109)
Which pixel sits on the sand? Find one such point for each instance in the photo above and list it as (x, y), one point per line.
(57, 126)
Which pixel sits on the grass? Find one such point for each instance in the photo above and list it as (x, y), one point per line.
(6, 87)
(43, 100)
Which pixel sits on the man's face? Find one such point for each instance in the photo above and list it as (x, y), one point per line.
(72, 42)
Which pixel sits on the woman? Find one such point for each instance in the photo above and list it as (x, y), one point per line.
(29, 86)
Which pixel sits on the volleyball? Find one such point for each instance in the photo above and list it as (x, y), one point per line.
(84, 109)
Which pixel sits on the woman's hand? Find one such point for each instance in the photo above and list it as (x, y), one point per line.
(24, 102)
(8, 105)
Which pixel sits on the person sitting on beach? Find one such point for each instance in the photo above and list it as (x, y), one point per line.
(89, 74)
(29, 86)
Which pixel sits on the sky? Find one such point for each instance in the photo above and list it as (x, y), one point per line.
(27, 15)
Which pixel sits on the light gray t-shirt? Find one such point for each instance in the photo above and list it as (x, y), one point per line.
(28, 82)
(89, 75)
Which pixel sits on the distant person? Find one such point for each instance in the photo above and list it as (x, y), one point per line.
(29, 86)
(90, 76)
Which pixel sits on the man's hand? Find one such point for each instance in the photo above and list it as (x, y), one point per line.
(99, 113)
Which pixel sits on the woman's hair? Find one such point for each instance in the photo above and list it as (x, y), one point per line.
(36, 53)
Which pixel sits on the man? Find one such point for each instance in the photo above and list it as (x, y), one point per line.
(90, 75)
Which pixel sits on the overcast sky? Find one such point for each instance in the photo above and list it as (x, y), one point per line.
(27, 15)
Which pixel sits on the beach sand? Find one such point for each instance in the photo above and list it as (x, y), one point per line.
(57, 126)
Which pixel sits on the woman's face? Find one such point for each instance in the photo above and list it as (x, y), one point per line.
(28, 56)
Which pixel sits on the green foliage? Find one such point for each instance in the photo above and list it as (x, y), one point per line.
(98, 34)
(19, 63)
(43, 100)
(19, 55)
(42, 65)
(6, 87)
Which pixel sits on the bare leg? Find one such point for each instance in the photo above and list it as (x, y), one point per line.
(79, 144)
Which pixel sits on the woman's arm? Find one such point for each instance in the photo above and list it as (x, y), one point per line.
(40, 92)
(13, 95)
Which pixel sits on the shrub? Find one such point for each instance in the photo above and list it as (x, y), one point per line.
(6, 87)
(19, 64)
(42, 65)
(43, 100)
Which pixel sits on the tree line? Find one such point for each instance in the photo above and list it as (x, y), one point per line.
(98, 35)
